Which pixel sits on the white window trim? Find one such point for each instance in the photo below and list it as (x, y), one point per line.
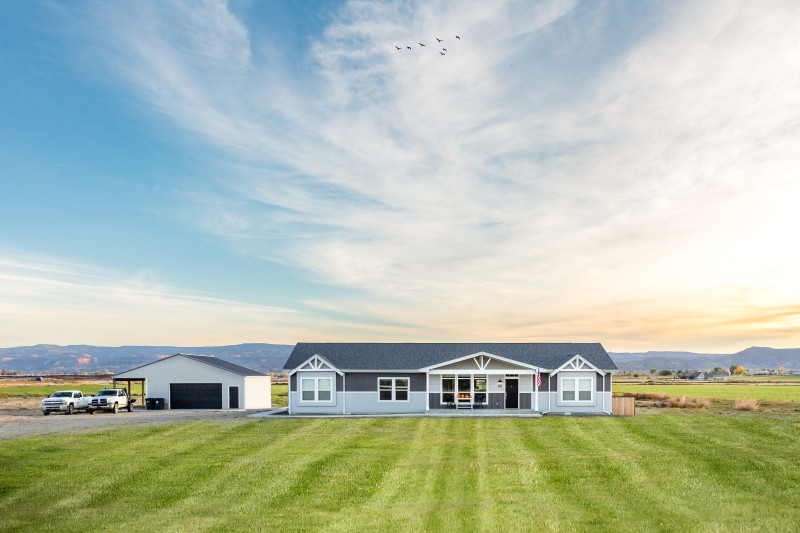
(316, 399)
(561, 390)
(472, 390)
(394, 389)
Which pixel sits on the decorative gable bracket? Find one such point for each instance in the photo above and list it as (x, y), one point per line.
(577, 363)
(317, 363)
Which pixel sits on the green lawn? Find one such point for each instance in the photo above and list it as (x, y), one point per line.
(737, 391)
(658, 472)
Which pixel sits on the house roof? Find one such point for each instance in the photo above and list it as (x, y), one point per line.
(205, 359)
(412, 356)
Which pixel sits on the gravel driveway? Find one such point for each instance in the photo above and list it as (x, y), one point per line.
(27, 422)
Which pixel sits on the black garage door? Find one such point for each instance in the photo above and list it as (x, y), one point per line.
(195, 395)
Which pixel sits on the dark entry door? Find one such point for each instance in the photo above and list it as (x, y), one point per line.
(233, 397)
(512, 393)
(195, 395)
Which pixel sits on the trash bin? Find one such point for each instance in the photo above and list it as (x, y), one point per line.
(154, 404)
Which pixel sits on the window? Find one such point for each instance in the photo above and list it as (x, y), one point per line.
(467, 388)
(448, 388)
(393, 389)
(576, 389)
(316, 389)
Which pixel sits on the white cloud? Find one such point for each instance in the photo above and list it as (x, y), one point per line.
(45, 300)
(471, 196)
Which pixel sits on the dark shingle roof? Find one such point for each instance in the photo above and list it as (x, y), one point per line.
(225, 365)
(411, 356)
(209, 360)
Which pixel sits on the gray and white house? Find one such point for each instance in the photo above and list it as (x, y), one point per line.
(361, 378)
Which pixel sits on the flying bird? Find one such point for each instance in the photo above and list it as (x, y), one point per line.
(457, 37)
(397, 47)
(438, 39)
(441, 53)
(445, 49)
(408, 47)
(421, 44)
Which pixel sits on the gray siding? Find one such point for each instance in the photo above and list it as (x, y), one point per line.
(524, 400)
(545, 387)
(293, 383)
(367, 402)
(339, 383)
(434, 398)
(368, 381)
(497, 400)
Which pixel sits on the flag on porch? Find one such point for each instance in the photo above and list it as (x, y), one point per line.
(538, 378)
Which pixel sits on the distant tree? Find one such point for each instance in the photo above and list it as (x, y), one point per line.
(653, 370)
(732, 368)
(739, 371)
(718, 369)
(636, 375)
(4, 372)
(781, 370)
(665, 373)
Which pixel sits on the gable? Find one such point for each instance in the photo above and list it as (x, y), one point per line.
(479, 362)
(578, 364)
(316, 363)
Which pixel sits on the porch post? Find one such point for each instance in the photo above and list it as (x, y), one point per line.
(536, 388)
(344, 393)
(427, 394)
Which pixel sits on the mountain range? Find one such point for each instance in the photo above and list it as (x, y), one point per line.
(754, 358)
(77, 359)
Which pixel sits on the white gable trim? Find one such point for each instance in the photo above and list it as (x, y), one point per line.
(481, 362)
(576, 364)
(316, 363)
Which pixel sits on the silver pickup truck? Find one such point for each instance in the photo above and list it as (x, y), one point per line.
(65, 401)
(111, 400)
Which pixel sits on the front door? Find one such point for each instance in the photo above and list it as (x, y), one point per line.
(233, 397)
(512, 393)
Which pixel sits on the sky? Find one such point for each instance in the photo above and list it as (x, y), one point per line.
(204, 173)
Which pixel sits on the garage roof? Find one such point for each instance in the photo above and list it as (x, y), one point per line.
(206, 359)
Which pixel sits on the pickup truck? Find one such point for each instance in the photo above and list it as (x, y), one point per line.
(67, 401)
(111, 400)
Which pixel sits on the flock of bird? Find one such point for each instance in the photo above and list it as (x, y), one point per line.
(442, 52)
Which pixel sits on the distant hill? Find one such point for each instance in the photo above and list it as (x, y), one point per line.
(754, 358)
(48, 358)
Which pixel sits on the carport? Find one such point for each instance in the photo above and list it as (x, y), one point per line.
(140, 396)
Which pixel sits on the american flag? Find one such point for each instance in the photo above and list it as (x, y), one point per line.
(538, 378)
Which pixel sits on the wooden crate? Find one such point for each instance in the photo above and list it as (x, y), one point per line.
(623, 405)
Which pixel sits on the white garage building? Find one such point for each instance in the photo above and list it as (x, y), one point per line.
(188, 381)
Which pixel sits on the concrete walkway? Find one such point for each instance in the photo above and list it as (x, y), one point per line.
(438, 413)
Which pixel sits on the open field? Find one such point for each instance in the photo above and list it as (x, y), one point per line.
(657, 472)
(40, 391)
(732, 391)
(280, 397)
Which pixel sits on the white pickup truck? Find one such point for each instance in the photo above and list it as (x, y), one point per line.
(67, 401)
(111, 400)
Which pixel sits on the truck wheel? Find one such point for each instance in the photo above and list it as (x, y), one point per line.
(116, 408)
(90, 411)
(69, 409)
(130, 407)
(45, 413)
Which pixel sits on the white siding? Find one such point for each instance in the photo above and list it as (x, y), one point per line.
(258, 392)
